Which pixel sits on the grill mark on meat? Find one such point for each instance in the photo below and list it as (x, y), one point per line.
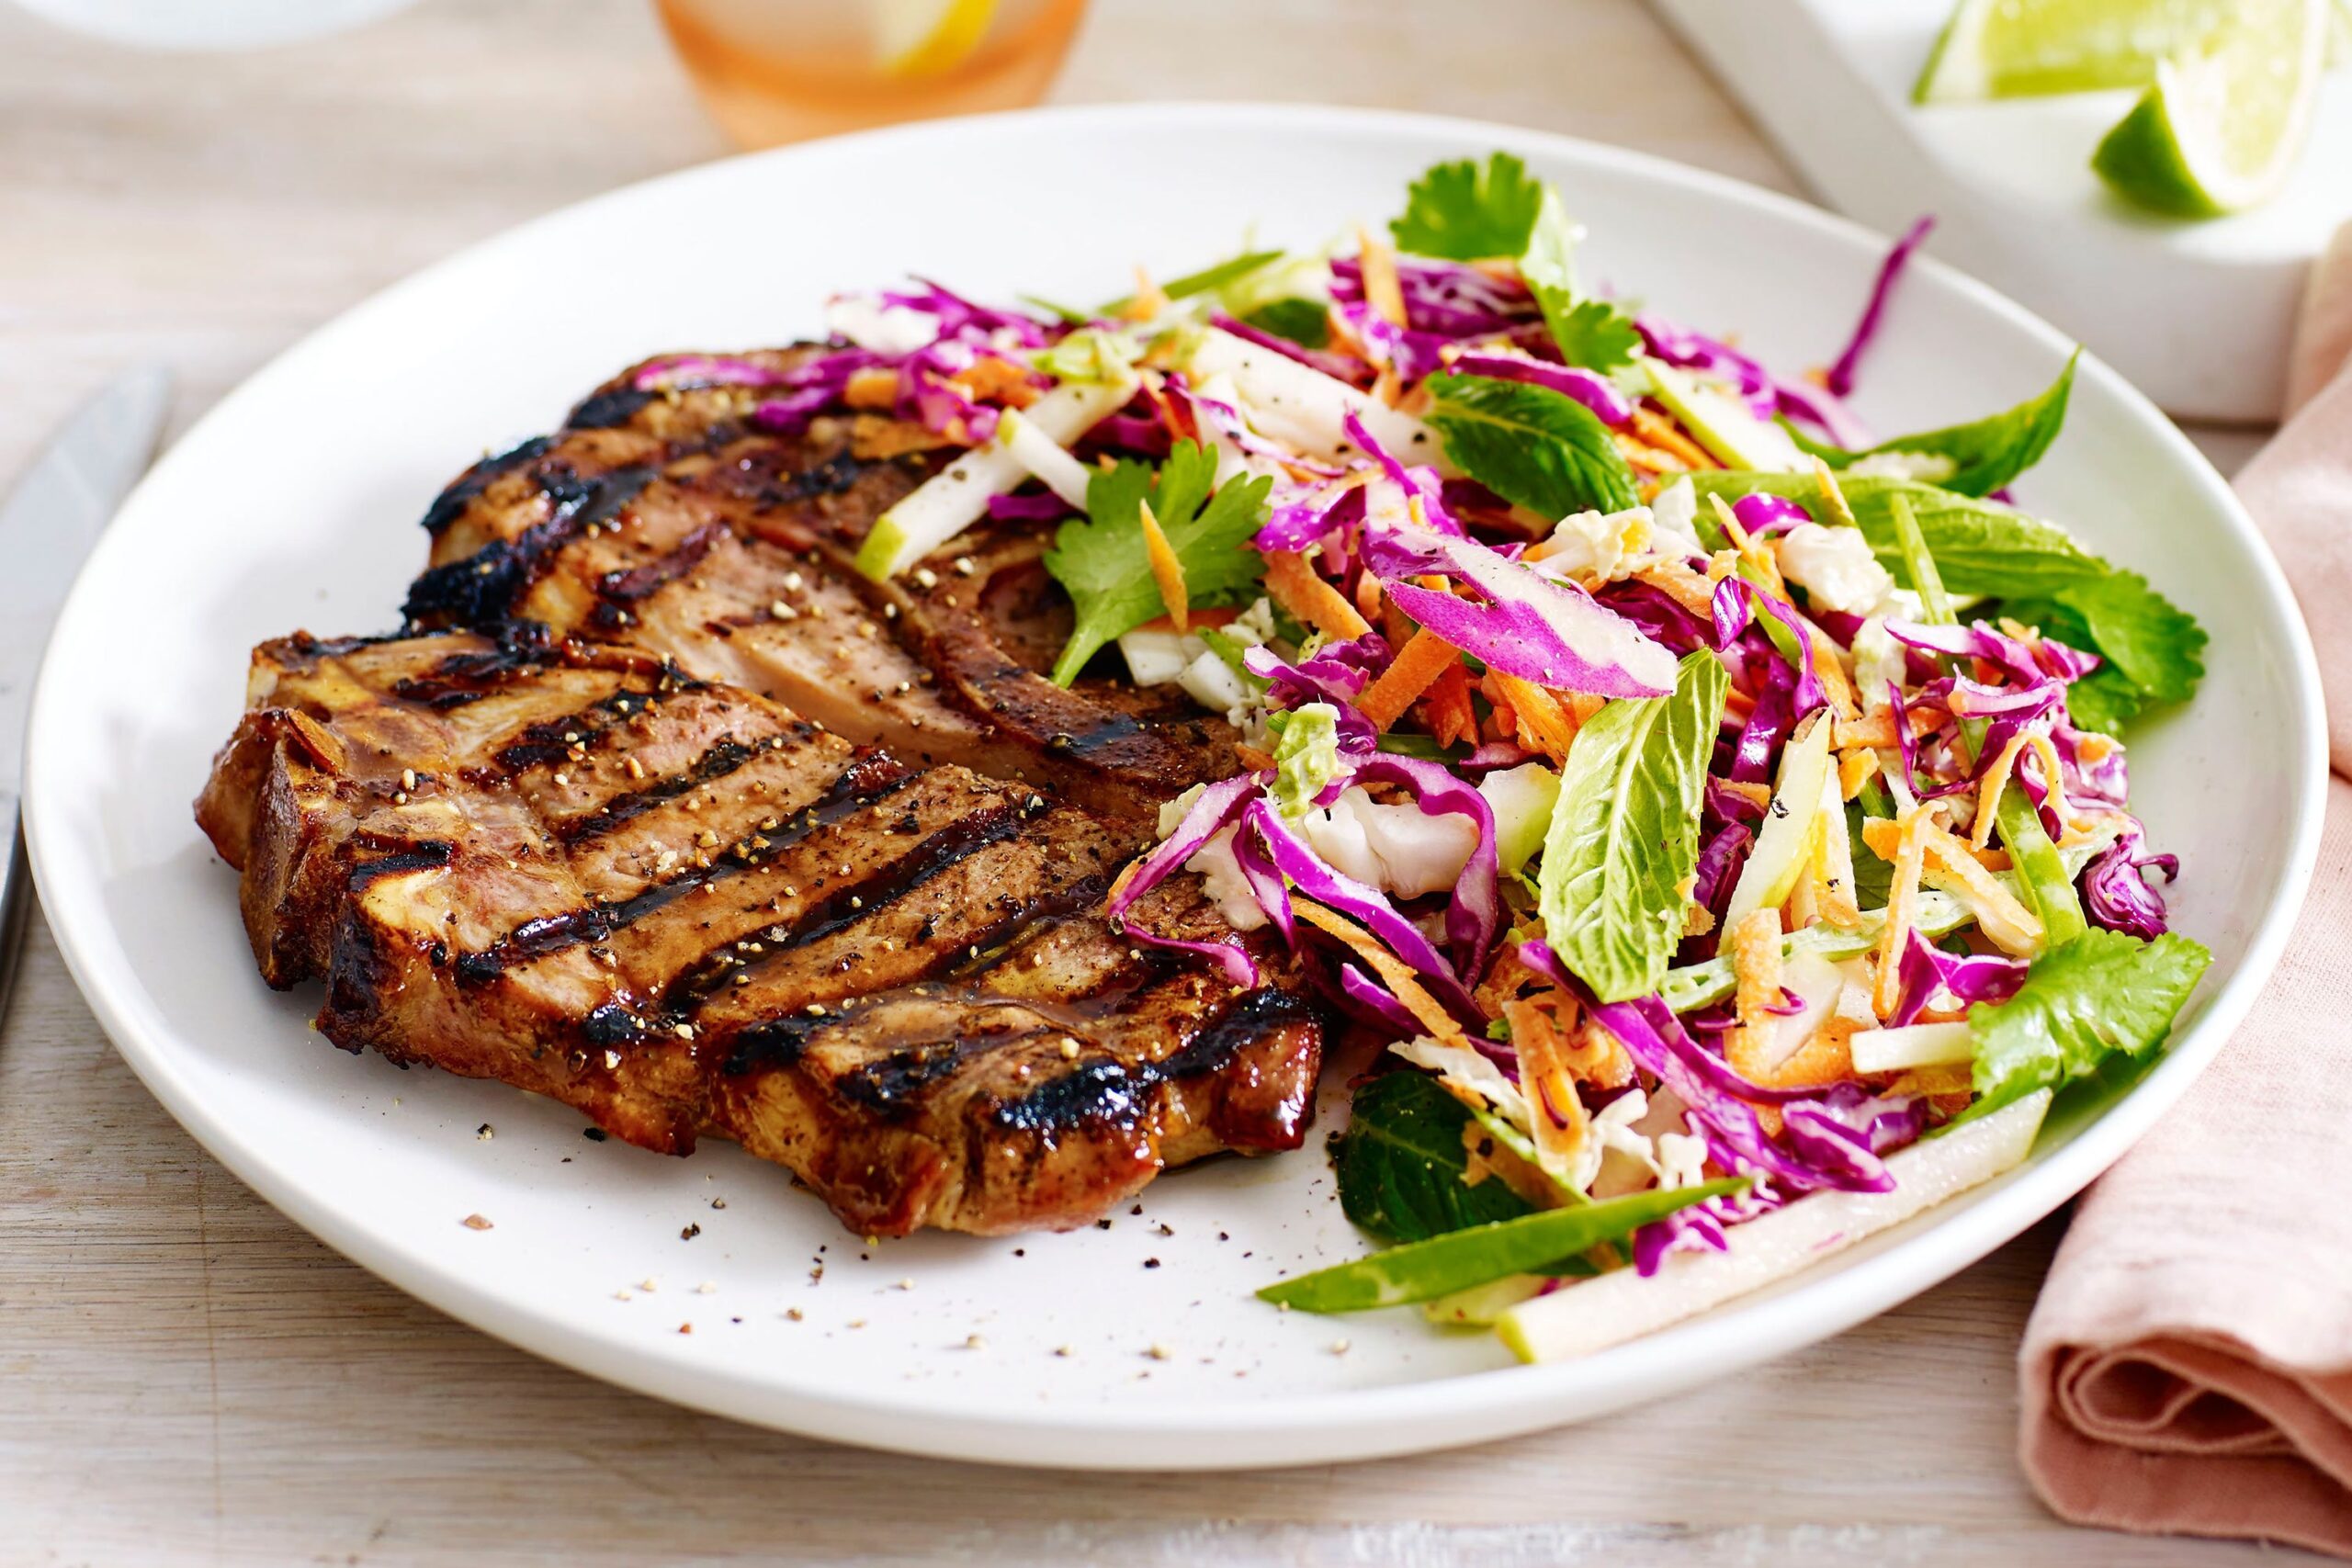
(1106, 1090)
(723, 757)
(462, 489)
(865, 783)
(834, 476)
(885, 1084)
(860, 901)
(617, 590)
(473, 674)
(429, 854)
(551, 740)
(1248, 1016)
(613, 406)
(481, 588)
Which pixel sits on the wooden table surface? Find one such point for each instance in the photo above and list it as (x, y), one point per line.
(187, 1377)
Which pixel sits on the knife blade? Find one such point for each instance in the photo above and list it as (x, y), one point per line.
(47, 528)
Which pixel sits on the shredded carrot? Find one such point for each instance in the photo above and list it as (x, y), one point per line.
(1855, 766)
(1644, 457)
(871, 390)
(1293, 584)
(1833, 864)
(1149, 301)
(1447, 708)
(1558, 1119)
(1908, 856)
(1682, 585)
(2054, 779)
(2000, 915)
(1755, 944)
(1415, 669)
(1392, 971)
(1166, 569)
(1660, 430)
(1988, 790)
(1826, 1058)
(1544, 725)
(1877, 728)
(991, 376)
(1249, 757)
(1368, 596)
(1381, 289)
(1757, 795)
(1833, 498)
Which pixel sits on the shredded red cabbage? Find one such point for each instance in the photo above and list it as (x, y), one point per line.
(1841, 373)
(1927, 973)
(1602, 398)
(2116, 894)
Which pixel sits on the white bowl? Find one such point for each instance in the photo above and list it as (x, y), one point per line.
(294, 503)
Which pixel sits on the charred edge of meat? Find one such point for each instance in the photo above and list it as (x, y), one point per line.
(518, 647)
(862, 785)
(484, 587)
(1103, 1090)
(452, 501)
(608, 407)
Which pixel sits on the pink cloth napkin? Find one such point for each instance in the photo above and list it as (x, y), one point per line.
(2188, 1367)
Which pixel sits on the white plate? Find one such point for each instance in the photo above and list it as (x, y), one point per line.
(295, 504)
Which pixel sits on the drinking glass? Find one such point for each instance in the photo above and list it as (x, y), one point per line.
(774, 71)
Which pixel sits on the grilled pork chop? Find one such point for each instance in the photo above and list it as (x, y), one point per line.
(669, 522)
(682, 908)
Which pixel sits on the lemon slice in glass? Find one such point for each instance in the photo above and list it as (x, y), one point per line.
(928, 38)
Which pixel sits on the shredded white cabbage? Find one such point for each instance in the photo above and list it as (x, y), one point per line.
(864, 320)
(1468, 1069)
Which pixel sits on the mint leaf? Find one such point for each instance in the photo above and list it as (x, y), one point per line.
(1984, 455)
(1102, 560)
(1422, 1270)
(1470, 211)
(2038, 574)
(2102, 994)
(2157, 645)
(1624, 834)
(1303, 321)
(1401, 1163)
(1594, 334)
(1530, 445)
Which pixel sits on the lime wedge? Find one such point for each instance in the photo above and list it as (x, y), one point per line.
(2219, 129)
(926, 38)
(2015, 48)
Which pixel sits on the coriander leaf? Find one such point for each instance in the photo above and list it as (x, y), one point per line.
(1207, 280)
(1421, 1271)
(1624, 834)
(1470, 211)
(1984, 455)
(1593, 334)
(2101, 994)
(1530, 444)
(1102, 560)
(1304, 322)
(1402, 1163)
